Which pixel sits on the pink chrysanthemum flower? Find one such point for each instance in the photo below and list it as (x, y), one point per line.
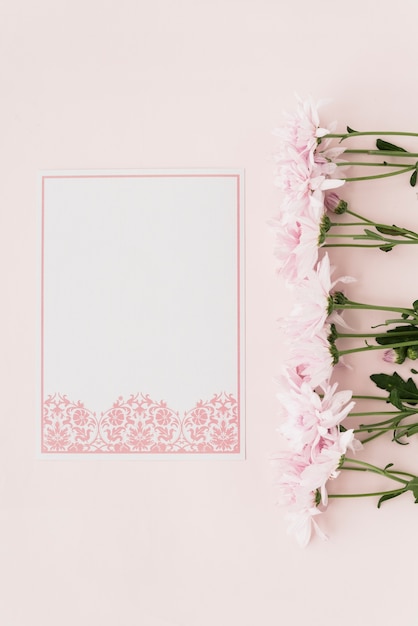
(300, 516)
(317, 448)
(298, 239)
(325, 466)
(304, 165)
(313, 358)
(313, 303)
(308, 416)
(293, 178)
(326, 164)
(302, 127)
(326, 460)
(296, 247)
(299, 500)
(302, 482)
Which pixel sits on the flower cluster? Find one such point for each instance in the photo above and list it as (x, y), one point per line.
(313, 410)
(316, 446)
(305, 170)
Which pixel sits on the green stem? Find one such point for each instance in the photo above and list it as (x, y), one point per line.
(368, 132)
(401, 320)
(351, 223)
(351, 245)
(401, 416)
(404, 344)
(360, 469)
(361, 217)
(375, 176)
(404, 232)
(357, 236)
(364, 495)
(351, 304)
(367, 413)
(368, 335)
(373, 468)
(369, 398)
(393, 153)
(384, 240)
(372, 164)
(381, 429)
(375, 436)
(402, 473)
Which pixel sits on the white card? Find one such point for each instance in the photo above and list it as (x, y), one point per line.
(142, 314)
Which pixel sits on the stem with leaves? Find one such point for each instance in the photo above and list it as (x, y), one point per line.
(408, 481)
(384, 148)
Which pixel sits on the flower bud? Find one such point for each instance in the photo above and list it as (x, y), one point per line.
(412, 353)
(335, 204)
(395, 355)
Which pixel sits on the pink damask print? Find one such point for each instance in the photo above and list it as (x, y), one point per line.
(141, 425)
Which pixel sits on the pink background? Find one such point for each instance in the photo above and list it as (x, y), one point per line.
(190, 83)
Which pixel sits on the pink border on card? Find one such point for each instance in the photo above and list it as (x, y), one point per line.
(65, 414)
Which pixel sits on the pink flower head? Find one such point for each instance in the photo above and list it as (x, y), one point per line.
(298, 239)
(313, 358)
(293, 179)
(308, 417)
(304, 169)
(327, 460)
(313, 303)
(302, 128)
(296, 248)
(300, 516)
(326, 166)
(317, 447)
(300, 501)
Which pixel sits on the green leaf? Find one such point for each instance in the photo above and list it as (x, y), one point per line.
(389, 230)
(409, 333)
(381, 144)
(350, 130)
(372, 234)
(415, 306)
(387, 466)
(386, 248)
(411, 430)
(388, 496)
(413, 179)
(394, 398)
(387, 381)
(406, 390)
(414, 371)
(413, 486)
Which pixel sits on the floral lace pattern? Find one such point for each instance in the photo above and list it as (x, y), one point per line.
(141, 425)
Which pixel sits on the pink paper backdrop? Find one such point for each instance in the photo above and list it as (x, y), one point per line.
(190, 83)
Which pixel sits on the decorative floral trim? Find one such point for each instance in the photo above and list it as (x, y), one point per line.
(141, 425)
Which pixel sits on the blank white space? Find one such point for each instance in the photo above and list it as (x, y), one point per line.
(140, 288)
